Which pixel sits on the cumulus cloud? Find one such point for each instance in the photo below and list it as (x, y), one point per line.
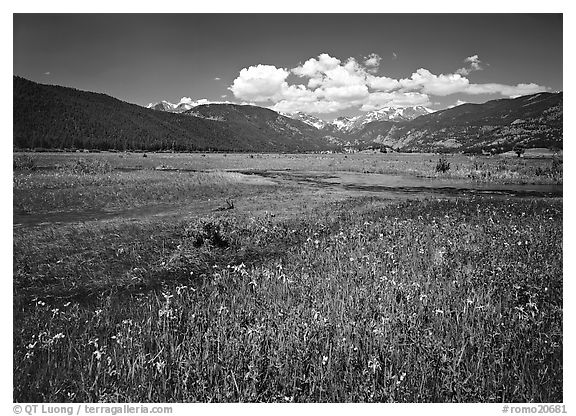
(329, 84)
(217, 78)
(429, 83)
(316, 67)
(382, 83)
(372, 62)
(260, 83)
(474, 65)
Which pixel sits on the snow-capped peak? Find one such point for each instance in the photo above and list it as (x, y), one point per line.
(348, 124)
(308, 119)
(185, 104)
(396, 113)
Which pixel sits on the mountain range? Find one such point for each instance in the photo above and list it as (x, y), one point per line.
(49, 116)
(340, 124)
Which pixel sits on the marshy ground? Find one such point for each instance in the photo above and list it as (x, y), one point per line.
(334, 278)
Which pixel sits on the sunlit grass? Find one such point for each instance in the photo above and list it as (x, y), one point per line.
(55, 190)
(443, 300)
(496, 169)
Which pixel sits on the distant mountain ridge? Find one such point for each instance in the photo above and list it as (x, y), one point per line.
(55, 117)
(531, 121)
(50, 116)
(342, 124)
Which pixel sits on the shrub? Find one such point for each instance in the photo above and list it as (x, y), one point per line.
(209, 232)
(443, 165)
(519, 150)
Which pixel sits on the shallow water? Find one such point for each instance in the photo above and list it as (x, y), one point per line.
(23, 219)
(379, 183)
(385, 185)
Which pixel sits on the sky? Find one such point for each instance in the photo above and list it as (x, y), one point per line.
(328, 65)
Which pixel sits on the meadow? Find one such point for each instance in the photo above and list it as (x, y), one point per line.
(297, 294)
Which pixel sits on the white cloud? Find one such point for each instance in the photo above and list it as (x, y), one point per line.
(382, 83)
(395, 99)
(217, 78)
(372, 60)
(330, 84)
(345, 92)
(475, 65)
(193, 103)
(429, 83)
(260, 83)
(314, 67)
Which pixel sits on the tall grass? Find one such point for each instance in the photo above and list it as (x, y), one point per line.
(79, 188)
(419, 301)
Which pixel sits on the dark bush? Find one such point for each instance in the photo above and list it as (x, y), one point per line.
(443, 165)
(210, 233)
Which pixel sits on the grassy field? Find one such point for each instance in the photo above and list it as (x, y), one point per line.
(293, 296)
(498, 169)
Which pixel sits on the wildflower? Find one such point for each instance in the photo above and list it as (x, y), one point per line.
(324, 360)
(160, 366)
(180, 289)
(401, 379)
(374, 364)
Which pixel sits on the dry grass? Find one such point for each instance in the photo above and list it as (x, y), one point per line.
(496, 169)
